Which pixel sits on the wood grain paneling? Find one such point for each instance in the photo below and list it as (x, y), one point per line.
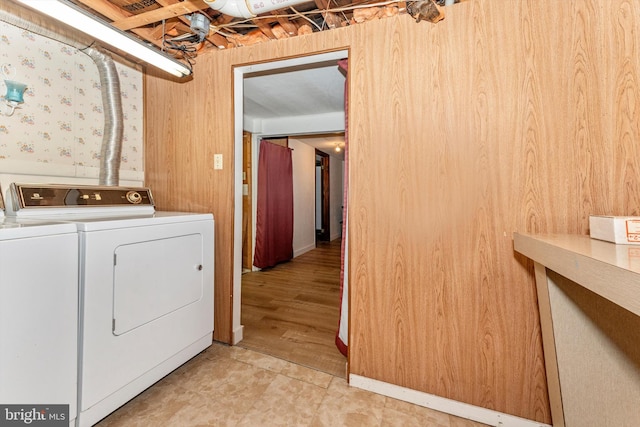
(506, 116)
(247, 198)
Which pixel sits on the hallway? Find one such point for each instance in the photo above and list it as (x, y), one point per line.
(291, 311)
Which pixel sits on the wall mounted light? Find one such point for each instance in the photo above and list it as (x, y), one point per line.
(338, 147)
(15, 91)
(14, 96)
(70, 14)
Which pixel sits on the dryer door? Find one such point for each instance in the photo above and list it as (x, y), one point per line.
(155, 278)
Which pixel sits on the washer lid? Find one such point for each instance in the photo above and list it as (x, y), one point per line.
(17, 228)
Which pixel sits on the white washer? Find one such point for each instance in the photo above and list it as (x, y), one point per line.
(146, 290)
(38, 313)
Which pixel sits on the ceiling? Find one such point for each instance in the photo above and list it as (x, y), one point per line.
(308, 90)
(186, 29)
(300, 91)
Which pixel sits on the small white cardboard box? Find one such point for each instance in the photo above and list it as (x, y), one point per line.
(616, 229)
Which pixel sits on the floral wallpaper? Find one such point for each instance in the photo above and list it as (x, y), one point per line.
(59, 128)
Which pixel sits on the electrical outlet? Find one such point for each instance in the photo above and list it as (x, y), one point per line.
(217, 161)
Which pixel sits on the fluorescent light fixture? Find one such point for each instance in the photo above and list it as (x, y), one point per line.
(78, 18)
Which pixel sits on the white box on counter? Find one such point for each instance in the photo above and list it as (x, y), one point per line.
(617, 229)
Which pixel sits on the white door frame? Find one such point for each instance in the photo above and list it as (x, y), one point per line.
(238, 97)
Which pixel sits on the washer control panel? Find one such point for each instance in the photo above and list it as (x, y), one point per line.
(27, 196)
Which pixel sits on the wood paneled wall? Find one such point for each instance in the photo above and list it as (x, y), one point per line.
(506, 116)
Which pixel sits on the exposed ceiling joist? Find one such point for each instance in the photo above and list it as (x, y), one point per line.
(175, 10)
(289, 27)
(113, 12)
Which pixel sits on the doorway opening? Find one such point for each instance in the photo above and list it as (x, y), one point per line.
(323, 202)
(296, 126)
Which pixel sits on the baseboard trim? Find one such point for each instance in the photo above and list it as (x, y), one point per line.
(238, 334)
(303, 250)
(453, 407)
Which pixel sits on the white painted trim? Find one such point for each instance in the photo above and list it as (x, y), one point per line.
(238, 334)
(442, 404)
(238, 97)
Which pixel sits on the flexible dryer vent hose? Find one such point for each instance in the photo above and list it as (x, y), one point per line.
(110, 154)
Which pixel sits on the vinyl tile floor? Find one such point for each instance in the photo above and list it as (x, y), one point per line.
(233, 386)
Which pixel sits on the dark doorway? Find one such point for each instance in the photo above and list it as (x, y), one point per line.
(322, 197)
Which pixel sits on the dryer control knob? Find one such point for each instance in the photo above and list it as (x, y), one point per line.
(200, 267)
(134, 197)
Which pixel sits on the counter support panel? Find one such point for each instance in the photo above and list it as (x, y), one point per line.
(589, 302)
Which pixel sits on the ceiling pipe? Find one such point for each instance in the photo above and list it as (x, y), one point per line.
(248, 9)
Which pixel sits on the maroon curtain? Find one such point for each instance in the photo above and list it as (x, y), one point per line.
(274, 220)
(341, 333)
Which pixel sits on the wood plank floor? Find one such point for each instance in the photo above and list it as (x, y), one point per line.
(291, 311)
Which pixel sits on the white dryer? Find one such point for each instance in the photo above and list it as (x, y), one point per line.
(38, 315)
(146, 288)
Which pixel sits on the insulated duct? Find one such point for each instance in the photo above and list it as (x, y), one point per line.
(247, 9)
(110, 86)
